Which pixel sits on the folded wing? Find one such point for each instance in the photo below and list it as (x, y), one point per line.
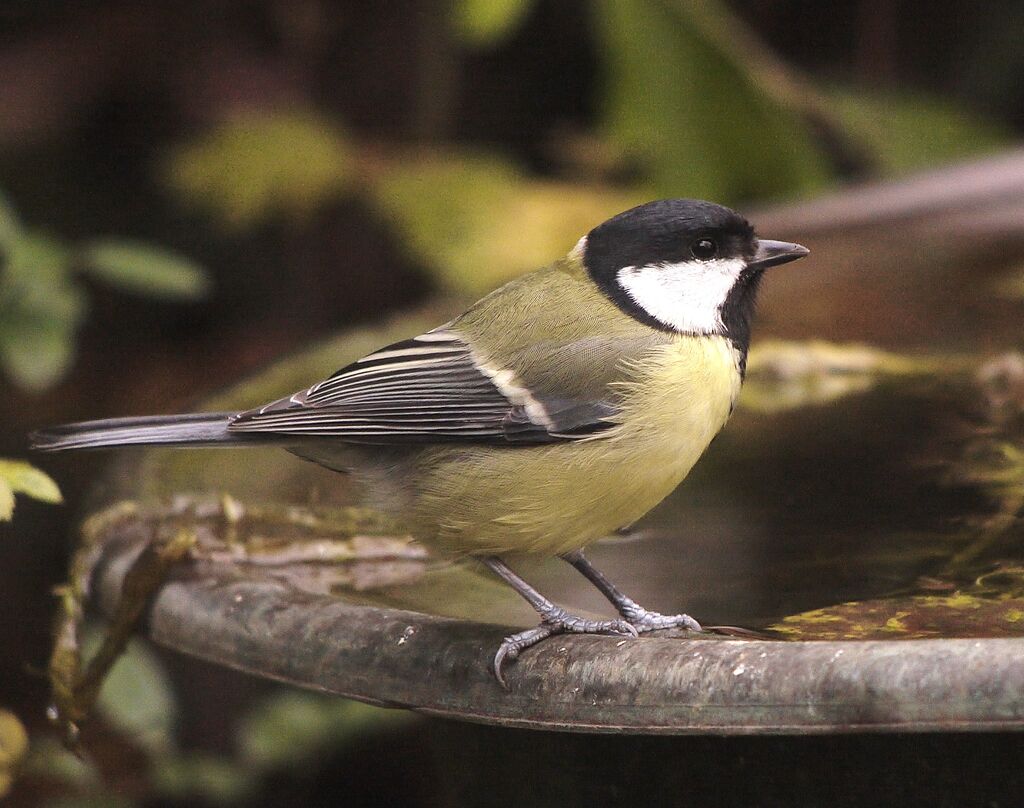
(429, 389)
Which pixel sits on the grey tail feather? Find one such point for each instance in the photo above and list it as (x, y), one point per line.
(205, 428)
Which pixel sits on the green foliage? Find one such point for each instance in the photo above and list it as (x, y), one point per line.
(252, 167)
(137, 697)
(13, 747)
(216, 780)
(6, 501)
(439, 205)
(50, 759)
(292, 727)
(486, 22)
(18, 477)
(40, 308)
(144, 269)
(478, 222)
(288, 729)
(692, 100)
(907, 131)
(42, 303)
(693, 112)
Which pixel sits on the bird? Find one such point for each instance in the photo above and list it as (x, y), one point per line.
(556, 410)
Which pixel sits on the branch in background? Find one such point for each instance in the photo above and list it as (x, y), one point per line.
(436, 98)
(778, 81)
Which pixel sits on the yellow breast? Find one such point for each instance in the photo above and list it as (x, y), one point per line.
(556, 498)
(680, 397)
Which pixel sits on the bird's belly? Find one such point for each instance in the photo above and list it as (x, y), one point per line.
(560, 497)
(569, 503)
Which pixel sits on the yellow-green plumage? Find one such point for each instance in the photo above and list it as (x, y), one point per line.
(674, 393)
(556, 498)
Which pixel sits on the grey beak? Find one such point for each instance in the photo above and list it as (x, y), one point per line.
(771, 253)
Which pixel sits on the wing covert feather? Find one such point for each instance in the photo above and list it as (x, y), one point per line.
(429, 389)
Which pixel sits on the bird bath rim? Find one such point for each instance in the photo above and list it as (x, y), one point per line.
(440, 666)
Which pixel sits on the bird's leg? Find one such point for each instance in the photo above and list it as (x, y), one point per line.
(554, 619)
(637, 615)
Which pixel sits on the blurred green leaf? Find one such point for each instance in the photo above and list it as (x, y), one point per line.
(50, 759)
(486, 22)
(18, 477)
(477, 222)
(35, 259)
(137, 697)
(908, 131)
(40, 309)
(253, 166)
(6, 501)
(10, 227)
(214, 780)
(146, 269)
(683, 98)
(36, 352)
(13, 747)
(293, 727)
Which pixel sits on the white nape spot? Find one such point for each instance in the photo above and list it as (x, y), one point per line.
(687, 296)
(577, 251)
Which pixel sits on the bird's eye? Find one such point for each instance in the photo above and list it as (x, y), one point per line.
(704, 249)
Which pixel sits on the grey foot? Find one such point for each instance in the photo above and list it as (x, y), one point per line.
(643, 620)
(557, 621)
(637, 615)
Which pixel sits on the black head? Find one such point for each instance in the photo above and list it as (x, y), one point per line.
(668, 231)
(683, 265)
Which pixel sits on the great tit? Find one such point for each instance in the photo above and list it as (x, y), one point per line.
(559, 408)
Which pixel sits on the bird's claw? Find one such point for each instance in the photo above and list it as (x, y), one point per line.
(643, 621)
(557, 622)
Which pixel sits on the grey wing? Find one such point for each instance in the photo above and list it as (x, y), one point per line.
(429, 389)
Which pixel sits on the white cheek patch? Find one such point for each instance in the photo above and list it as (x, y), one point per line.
(688, 296)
